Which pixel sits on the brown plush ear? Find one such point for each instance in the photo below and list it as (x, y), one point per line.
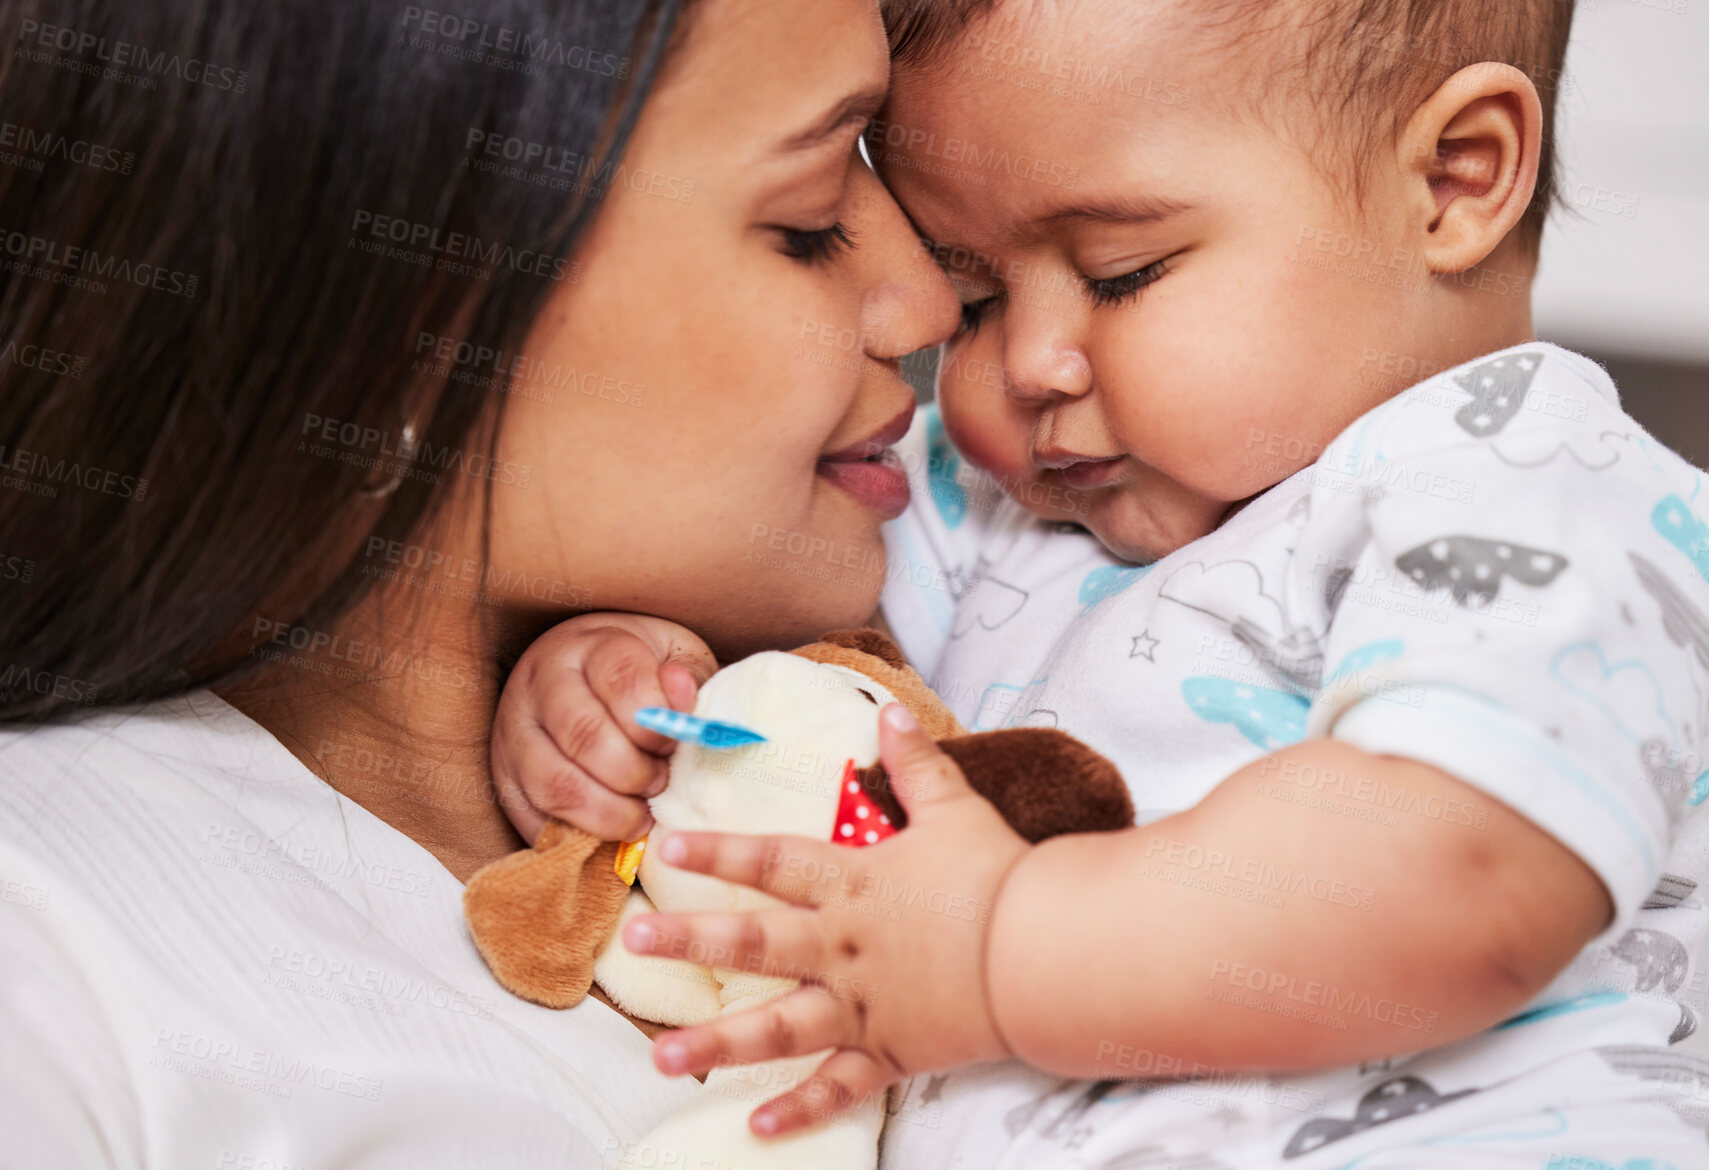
(1044, 781)
(540, 916)
(869, 641)
(845, 648)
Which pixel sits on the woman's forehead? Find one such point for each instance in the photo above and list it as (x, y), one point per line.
(772, 76)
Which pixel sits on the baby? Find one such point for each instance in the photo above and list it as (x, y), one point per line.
(1396, 624)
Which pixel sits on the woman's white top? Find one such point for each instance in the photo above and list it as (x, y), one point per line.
(209, 959)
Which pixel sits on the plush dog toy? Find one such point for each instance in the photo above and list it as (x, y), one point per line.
(546, 919)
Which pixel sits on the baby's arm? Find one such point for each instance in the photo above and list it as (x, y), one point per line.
(1095, 964)
(1403, 937)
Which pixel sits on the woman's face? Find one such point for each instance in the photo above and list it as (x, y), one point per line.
(727, 356)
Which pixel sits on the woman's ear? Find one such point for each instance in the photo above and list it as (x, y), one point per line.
(1469, 155)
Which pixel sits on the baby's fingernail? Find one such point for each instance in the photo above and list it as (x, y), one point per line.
(674, 851)
(766, 1124)
(640, 936)
(672, 1056)
(657, 786)
(900, 718)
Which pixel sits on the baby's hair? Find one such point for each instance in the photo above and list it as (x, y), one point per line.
(1365, 64)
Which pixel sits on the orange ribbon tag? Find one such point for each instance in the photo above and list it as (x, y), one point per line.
(629, 860)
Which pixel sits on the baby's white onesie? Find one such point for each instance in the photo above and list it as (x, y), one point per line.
(1497, 572)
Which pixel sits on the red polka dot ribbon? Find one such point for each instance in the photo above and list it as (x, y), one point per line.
(858, 820)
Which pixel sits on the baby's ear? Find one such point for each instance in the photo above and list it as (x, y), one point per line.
(539, 917)
(869, 641)
(1044, 781)
(1470, 156)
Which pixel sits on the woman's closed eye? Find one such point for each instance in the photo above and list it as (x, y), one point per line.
(1116, 289)
(816, 246)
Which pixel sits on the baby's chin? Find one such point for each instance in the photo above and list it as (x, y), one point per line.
(1135, 524)
(1142, 527)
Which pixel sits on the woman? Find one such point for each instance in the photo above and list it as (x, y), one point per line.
(392, 337)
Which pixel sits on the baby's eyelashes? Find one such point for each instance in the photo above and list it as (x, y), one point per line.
(974, 313)
(1116, 289)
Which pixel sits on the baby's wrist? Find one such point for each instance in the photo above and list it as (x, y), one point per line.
(991, 965)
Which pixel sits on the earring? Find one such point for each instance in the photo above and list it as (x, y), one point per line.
(405, 456)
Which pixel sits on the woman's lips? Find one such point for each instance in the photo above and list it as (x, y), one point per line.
(871, 471)
(1090, 474)
(878, 482)
(888, 435)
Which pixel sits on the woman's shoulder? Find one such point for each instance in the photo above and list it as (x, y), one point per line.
(207, 914)
(197, 726)
(204, 803)
(100, 894)
(186, 754)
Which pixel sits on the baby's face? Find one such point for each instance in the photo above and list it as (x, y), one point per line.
(1150, 323)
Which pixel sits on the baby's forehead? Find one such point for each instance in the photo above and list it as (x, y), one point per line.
(1089, 61)
(1352, 61)
(1066, 82)
(1026, 33)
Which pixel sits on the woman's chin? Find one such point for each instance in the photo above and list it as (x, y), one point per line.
(781, 615)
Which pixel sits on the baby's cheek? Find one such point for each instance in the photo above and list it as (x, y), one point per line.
(1000, 448)
(982, 421)
(987, 438)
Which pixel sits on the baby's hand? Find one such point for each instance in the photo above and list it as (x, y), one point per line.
(888, 941)
(565, 742)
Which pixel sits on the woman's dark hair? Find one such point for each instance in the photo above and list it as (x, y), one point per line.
(227, 224)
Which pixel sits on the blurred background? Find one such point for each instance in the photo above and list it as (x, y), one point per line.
(1625, 267)
(1625, 273)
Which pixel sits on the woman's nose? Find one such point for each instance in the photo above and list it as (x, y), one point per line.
(908, 302)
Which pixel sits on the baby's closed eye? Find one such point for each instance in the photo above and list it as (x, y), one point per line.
(1114, 290)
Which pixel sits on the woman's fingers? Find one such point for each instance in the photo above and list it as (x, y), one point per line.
(796, 869)
(535, 781)
(779, 944)
(799, 1023)
(848, 1078)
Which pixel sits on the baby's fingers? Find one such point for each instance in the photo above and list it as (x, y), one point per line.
(848, 1078)
(801, 1022)
(796, 869)
(535, 780)
(598, 740)
(779, 944)
(624, 674)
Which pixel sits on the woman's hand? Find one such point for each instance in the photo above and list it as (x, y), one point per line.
(888, 941)
(565, 743)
